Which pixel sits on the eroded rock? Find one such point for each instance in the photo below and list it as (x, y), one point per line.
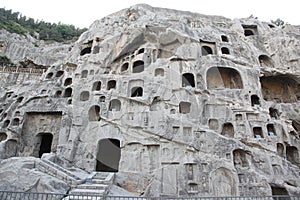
(175, 103)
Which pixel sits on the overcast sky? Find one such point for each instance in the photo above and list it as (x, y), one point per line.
(82, 13)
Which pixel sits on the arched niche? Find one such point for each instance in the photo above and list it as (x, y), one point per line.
(68, 81)
(265, 61)
(184, 107)
(94, 113)
(68, 92)
(240, 158)
(115, 105)
(159, 72)
(138, 66)
(84, 73)
(96, 86)
(281, 89)
(223, 182)
(136, 92)
(3, 136)
(228, 130)
(84, 96)
(223, 77)
(292, 154)
(206, 50)
(188, 80)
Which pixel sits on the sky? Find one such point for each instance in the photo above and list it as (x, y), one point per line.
(82, 13)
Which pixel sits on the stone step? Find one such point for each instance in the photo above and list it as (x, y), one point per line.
(99, 181)
(103, 178)
(101, 175)
(92, 186)
(60, 168)
(56, 172)
(86, 192)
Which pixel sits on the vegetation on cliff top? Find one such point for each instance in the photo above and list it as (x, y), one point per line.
(15, 22)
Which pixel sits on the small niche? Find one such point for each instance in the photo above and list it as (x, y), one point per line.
(188, 80)
(115, 105)
(84, 74)
(271, 130)
(84, 96)
(16, 122)
(102, 99)
(3, 136)
(59, 73)
(280, 191)
(273, 113)
(255, 102)
(6, 123)
(20, 99)
(142, 50)
(206, 50)
(280, 149)
(238, 117)
(94, 113)
(292, 154)
(111, 84)
(250, 30)
(96, 86)
(224, 38)
(228, 130)
(58, 93)
(225, 50)
(68, 92)
(138, 66)
(176, 129)
(213, 124)
(17, 113)
(184, 107)
(265, 61)
(68, 81)
(87, 48)
(159, 72)
(124, 67)
(137, 92)
(257, 132)
(49, 75)
(240, 158)
(69, 102)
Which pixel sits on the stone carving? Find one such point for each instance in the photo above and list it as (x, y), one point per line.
(174, 103)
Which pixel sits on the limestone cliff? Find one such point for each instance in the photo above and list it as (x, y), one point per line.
(27, 51)
(174, 103)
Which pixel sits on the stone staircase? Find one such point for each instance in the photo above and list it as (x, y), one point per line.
(96, 186)
(57, 171)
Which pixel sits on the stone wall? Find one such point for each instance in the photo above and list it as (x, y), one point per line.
(175, 103)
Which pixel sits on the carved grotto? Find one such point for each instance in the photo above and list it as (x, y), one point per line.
(163, 102)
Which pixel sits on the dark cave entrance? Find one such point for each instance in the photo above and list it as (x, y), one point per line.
(108, 155)
(46, 143)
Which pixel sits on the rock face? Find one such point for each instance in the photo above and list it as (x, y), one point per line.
(26, 50)
(175, 103)
(19, 174)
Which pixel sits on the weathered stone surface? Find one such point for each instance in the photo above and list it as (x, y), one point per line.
(175, 103)
(26, 50)
(19, 174)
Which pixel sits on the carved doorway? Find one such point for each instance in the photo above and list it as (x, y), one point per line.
(108, 155)
(46, 143)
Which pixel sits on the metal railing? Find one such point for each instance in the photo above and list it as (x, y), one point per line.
(11, 195)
